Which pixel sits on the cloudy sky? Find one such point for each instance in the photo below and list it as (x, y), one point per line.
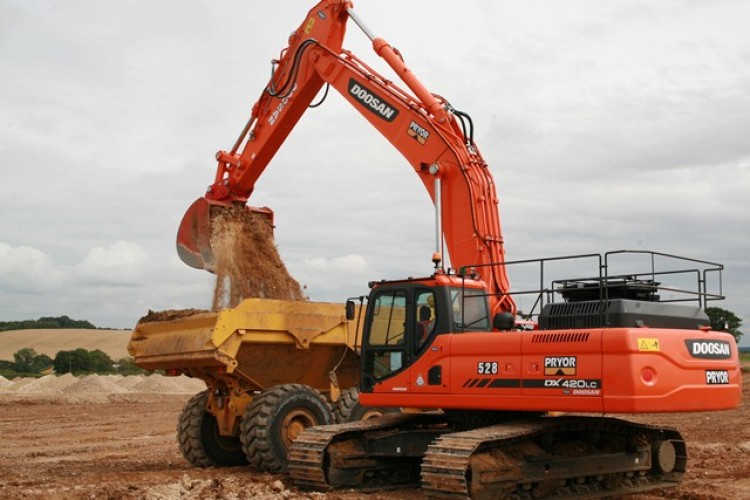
(607, 125)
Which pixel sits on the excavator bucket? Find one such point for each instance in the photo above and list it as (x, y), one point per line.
(194, 233)
(194, 236)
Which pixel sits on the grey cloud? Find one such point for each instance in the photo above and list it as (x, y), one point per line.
(606, 125)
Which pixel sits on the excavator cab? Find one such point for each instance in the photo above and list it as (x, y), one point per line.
(404, 317)
(194, 236)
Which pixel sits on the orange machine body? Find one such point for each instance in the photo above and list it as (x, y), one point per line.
(599, 370)
(602, 371)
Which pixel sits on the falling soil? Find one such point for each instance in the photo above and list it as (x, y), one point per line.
(247, 262)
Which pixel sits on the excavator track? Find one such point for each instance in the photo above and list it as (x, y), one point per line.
(554, 457)
(384, 452)
(307, 456)
(532, 457)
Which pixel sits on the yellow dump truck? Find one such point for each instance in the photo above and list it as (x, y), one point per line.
(272, 368)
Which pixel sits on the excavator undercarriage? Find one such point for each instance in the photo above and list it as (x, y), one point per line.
(533, 457)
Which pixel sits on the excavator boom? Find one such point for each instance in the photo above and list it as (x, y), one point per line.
(436, 140)
(280, 106)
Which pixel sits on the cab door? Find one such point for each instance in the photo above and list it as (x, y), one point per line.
(430, 368)
(386, 341)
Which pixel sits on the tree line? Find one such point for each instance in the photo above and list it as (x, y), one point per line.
(46, 322)
(27, 362)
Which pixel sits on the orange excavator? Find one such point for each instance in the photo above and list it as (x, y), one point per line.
(495, 394)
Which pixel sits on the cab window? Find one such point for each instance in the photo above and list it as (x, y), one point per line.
(470, 310)
(388, 319)
(386, 345)
(426, 316)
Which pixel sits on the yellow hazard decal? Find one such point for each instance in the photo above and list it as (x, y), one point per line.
(309, 25)
(648, 345)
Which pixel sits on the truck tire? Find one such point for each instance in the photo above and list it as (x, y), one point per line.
(274, 420)
(348, 409)
(199, 439)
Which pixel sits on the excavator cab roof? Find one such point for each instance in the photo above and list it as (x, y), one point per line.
(440, 278)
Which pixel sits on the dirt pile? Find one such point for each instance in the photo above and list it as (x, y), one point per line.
(49, 384)
(94, 383)
(247, 261)
(101, 384)
(167, 385)
(225, 486)
(170, 314)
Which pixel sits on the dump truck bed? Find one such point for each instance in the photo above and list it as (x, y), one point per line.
(261, 343)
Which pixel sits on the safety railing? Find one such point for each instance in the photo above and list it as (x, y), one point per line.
(627, 274)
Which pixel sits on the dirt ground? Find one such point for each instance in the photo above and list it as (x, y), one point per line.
(122, 445)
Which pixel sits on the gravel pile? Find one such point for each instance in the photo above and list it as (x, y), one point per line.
(49, 384)
(105, 384)
(95, 383)
(160, 385)
(132, 380)
(17, 384)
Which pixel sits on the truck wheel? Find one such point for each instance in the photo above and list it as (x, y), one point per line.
(275, 419)
(199, 439)
(348, 409)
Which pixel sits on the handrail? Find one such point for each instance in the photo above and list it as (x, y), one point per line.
(660, 266)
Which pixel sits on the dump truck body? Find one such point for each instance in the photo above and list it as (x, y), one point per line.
(255, 346)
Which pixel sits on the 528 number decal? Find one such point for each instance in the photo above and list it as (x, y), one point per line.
(487, 368)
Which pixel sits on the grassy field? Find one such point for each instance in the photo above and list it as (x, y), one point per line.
(113, 342)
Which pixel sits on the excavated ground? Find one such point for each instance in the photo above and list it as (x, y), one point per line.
(110, 437)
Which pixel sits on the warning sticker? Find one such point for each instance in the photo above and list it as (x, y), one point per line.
(648, 345)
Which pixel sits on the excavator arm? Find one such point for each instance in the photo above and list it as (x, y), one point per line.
(435, 139)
